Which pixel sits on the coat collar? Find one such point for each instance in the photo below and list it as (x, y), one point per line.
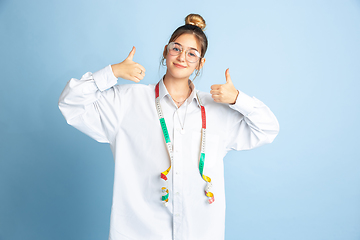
(164, 92)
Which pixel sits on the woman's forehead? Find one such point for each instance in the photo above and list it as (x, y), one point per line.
(188, 41)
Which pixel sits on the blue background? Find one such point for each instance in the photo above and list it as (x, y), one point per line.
(301, 58)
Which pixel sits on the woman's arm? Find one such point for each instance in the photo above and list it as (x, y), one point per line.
(250, 122)
(92, 105)
(88, 106)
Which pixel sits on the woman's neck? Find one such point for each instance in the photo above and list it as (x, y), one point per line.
(178, 88)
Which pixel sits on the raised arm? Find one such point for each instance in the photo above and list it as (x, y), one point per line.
(93, 105)
(250, 123)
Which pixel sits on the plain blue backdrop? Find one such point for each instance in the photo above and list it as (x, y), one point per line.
(301, 58)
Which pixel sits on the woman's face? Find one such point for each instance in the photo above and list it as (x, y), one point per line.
(178, 66)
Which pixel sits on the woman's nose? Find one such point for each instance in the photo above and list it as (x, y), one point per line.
(182, 56)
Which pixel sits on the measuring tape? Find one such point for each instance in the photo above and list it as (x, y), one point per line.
(163, 175)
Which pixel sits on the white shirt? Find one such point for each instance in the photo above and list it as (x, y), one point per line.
(125, 116)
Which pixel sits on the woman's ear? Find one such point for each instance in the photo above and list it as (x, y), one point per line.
(201, 64)
(165, 51)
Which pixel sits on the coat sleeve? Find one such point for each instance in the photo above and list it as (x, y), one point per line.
(250, 124)
(92, 103)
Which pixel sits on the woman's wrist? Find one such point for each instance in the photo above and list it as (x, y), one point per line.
(236, 96)
(115, 70)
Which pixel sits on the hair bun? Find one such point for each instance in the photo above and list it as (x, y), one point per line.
(195, 19)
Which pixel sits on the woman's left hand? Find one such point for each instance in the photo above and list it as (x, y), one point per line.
(224, 93)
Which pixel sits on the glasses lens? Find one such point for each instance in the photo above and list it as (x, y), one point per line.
(174, 49)
(192, 55)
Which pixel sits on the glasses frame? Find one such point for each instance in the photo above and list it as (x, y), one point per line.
(186, 52)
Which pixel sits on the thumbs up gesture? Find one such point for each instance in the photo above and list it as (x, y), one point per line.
(128, 69)
(224, 93)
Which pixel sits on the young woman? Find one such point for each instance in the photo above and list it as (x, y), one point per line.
(168, 139)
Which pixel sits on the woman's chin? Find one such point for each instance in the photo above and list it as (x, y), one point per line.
(176, 74)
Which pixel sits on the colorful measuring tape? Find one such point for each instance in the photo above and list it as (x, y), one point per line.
(164, 189)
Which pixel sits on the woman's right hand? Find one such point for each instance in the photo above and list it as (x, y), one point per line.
(128, 69)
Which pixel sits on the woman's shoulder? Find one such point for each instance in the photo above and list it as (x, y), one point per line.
(205, 98)
(203, 94)
(131, 91)
(134, 88)
(209, 103)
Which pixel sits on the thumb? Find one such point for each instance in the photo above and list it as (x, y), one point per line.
(131, 54)
(227, 76)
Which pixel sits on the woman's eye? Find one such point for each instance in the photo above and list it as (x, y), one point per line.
(176, 49)
(192, 54)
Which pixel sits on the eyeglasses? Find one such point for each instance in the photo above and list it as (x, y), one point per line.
(191, 55)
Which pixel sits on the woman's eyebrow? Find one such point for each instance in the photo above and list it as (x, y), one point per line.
(182, 46)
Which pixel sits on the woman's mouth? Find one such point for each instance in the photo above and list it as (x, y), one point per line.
(179, 65)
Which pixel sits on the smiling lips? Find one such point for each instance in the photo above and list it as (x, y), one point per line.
(179, 65)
